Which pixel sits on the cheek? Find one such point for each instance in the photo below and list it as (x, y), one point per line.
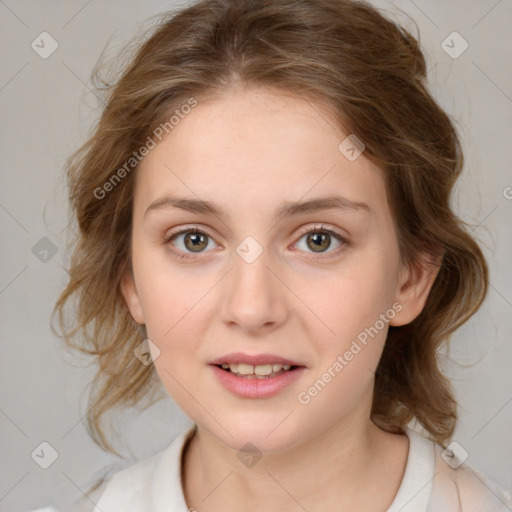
(355, 308)
(173, 325)
(349, 302)
(348, 342)
(171, 304)
(167, 292)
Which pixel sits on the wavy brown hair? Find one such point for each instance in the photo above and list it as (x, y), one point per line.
(370, 73)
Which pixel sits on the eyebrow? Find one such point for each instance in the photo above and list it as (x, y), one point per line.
(288, 208)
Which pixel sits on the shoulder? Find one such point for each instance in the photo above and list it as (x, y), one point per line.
(464, 489)
(120, 489)
(152, 484)
(437, 480)
(148, 485)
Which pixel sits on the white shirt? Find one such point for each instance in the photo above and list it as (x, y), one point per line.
(429, 484)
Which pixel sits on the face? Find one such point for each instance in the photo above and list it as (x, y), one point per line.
(317, 286)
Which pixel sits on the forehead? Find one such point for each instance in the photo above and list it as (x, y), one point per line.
(255, 149)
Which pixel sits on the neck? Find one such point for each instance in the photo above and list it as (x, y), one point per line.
(337, 460)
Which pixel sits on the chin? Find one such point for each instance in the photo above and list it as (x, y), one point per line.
(268, 434)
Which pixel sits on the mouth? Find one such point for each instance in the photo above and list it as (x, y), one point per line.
(260, 371)
(263, 380)
(256, 375)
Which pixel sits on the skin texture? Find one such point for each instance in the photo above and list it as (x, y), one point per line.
(248, 152)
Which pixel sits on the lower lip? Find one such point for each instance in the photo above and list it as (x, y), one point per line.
(256, 388)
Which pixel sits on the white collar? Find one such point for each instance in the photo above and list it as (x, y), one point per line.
(416, 486)
(155, 485)
(167, 491)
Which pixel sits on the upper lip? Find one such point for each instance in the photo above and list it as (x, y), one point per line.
(257, 359)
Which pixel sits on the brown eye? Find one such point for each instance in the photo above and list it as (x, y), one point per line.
(195, 242)
(189, 241)
(319, 240)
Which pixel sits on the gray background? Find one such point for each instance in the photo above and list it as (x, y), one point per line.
(47, 110)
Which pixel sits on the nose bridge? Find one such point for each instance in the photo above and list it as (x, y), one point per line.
(254, 297)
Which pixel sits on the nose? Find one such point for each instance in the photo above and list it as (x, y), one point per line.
(254, 296)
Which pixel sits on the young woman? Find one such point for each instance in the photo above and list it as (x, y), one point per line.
(265, 231)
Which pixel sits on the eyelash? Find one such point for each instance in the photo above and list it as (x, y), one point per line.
(316, 230)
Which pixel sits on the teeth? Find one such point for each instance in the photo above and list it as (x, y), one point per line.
(259, 369)
(264, 369)
(245, 369)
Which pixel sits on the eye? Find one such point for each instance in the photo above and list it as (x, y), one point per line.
(319, 239)
(193, 240)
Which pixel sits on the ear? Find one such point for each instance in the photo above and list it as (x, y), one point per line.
(131, 297)
(414, 286)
